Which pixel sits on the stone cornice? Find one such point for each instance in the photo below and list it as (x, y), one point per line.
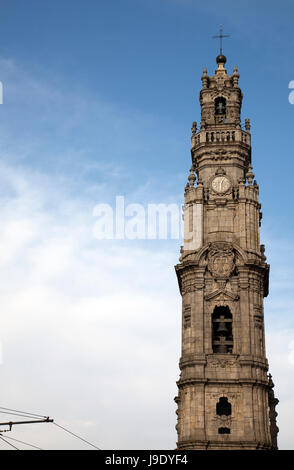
(223, 381)
(193, 360)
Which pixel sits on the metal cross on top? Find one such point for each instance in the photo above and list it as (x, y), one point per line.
(221, 36)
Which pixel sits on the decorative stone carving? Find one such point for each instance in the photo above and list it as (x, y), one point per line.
(223, 363)
(225, 392)
(221, 295)
(222, 284)
(224, 421)
(221, 260)
(188, 287)
(215, 93)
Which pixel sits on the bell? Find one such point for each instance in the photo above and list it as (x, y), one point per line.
(222, 348)
(222, 328)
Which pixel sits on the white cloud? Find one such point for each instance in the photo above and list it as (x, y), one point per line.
(90, 332)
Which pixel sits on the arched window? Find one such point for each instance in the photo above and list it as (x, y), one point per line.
(222, 330)
(223, 407)
(220, 106)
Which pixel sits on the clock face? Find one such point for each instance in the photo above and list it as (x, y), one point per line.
(220, 184)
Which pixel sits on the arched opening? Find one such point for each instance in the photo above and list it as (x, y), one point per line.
(220, 106)
(222, 330)
(223, 407)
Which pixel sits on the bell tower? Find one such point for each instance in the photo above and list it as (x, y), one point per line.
(225, 398)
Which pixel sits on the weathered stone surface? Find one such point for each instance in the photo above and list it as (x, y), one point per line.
(223, 278)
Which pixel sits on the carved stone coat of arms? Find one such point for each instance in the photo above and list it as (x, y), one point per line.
(221, 260)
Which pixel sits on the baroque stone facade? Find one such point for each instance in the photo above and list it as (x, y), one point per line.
(226, 398)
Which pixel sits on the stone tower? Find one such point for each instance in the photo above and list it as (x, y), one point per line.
(226, 398)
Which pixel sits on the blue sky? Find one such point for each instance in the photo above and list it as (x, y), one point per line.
(145, 59)
(99, 98)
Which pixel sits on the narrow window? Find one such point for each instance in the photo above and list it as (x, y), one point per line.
(222, 330)
(220, 106)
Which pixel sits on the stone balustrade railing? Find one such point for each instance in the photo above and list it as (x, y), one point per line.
(223, 137)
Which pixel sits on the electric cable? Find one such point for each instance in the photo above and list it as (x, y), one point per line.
(22, 442)
(11, 445)
(22, 412)
(75, 435)
(11, 411)
(18, 414)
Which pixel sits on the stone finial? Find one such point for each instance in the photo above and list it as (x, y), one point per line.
(270, 380)
(194, 128)
(221, 61)
(250, 175)
(200, 182)
(247, 124)
(262, 251)
(192, 178)
(181, 254)
(204, 78)
(235, 77)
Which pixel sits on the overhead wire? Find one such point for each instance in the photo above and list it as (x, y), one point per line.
(14, 412)
(22, 442)
(75, 435)
(18, 414)
(22, 412)
(9, 443)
